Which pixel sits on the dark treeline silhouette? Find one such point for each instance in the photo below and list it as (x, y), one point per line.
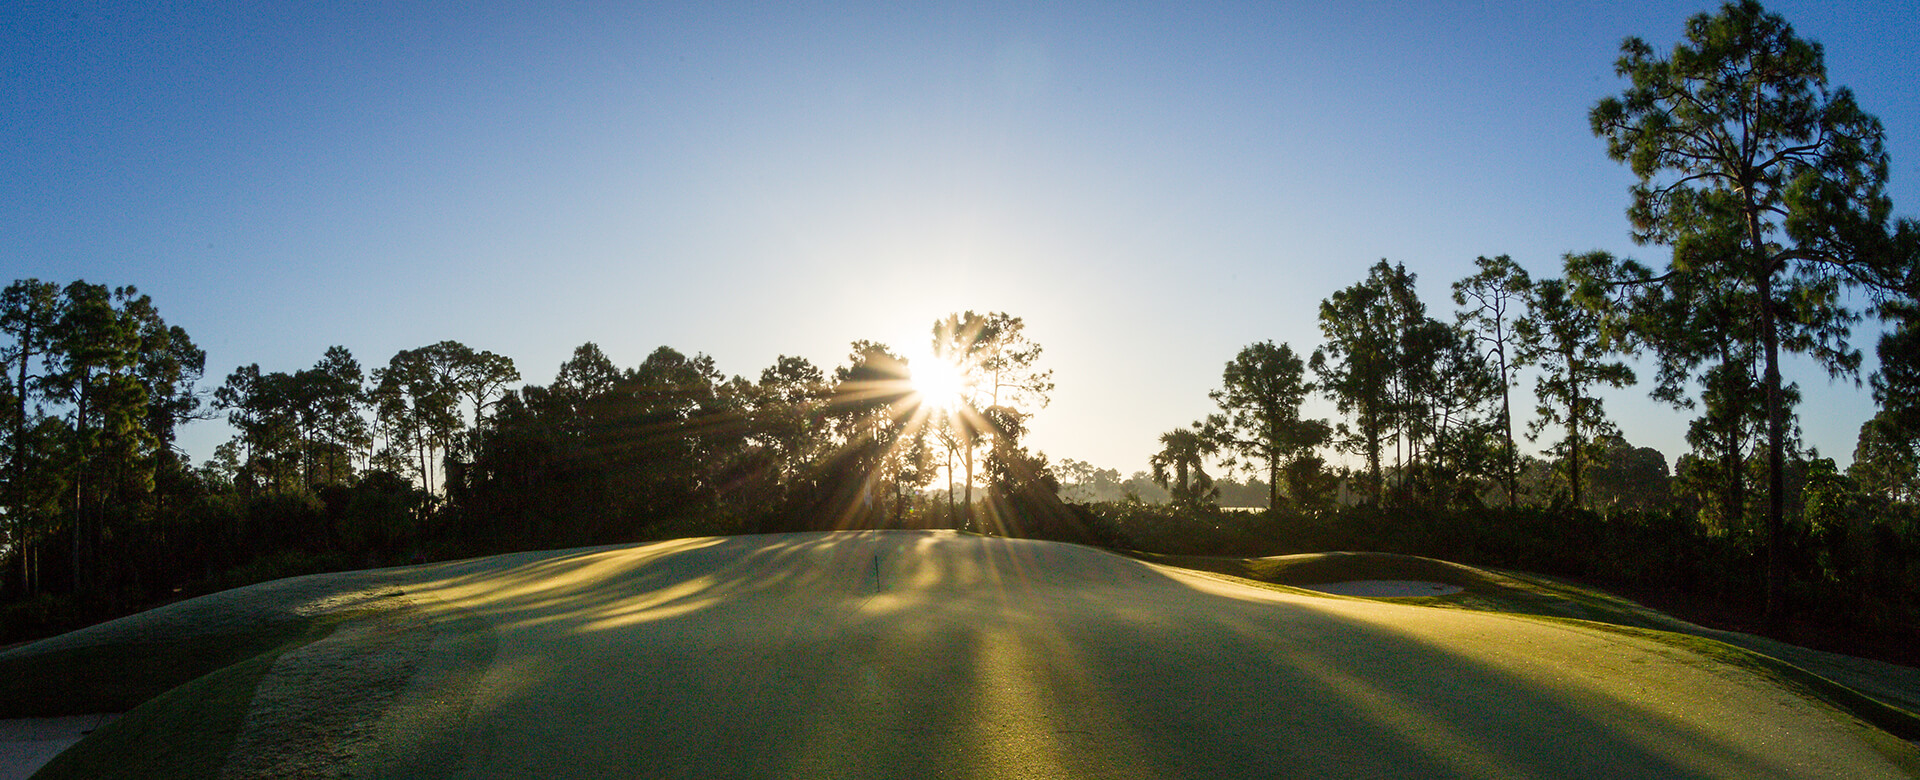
(1766, 186)
(436, 455)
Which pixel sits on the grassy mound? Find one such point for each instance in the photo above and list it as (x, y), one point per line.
(1879, 694)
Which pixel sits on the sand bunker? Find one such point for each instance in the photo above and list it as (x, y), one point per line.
(1385, 589)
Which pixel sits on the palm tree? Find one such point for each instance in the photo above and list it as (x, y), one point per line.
(1178, 467)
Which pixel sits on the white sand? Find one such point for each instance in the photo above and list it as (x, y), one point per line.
(1385, 589)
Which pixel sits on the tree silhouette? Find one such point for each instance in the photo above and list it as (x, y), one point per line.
(1179, 466)
(1259, 420)
(1755, 173)
(1495, 297)
(1563, 339)
(28, 310)
(1356, 364)
(997, 361)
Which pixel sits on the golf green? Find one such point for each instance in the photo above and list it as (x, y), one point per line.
(934, 654)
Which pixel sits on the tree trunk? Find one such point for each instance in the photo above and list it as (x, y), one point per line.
(1573, 427)
(1509, 457)
(1776, 458)
(80, 482)
(951, 509)
(969, 484)
(1273, 484)
(1373, 455)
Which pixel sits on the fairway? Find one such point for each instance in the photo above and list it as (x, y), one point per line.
(934, 654)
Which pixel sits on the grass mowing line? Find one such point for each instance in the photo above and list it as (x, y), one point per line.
(119, 677)
(185, 732)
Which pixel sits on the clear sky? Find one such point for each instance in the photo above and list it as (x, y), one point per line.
(1151, 186)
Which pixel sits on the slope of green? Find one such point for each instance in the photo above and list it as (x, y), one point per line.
(905, 654)
(1878, 693)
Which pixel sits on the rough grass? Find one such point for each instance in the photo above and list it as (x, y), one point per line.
(117, 665)
(183, 733)
(1893, 720)
(119, 677)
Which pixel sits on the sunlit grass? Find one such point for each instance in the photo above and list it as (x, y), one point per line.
(1541, 598)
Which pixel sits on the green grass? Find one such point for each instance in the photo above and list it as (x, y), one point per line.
(1893, 720)
(184, 733)
(1544, 598)
(187, 696)
(1483, 589)
(187, 729)
(119, 677)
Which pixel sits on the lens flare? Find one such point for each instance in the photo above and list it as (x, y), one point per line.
(939, 383)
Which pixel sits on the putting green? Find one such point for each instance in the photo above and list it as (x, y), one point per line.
(933, 654)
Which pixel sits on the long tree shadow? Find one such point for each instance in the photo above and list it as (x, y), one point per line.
(912, 654)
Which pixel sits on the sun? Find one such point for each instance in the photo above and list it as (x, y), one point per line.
(938, 382)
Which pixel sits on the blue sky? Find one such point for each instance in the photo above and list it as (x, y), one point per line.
(1151, 186)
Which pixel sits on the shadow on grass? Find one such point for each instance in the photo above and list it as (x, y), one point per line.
(1547, 598)
(897, 654)
(912, 654)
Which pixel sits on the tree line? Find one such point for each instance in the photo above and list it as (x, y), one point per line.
(438, 453)
(1765, 185)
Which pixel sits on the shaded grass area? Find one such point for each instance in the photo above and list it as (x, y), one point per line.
(192, 730)
(184, 733)
(1545, 598)
(123, 668)
(119, 677)
(185, 697)
(188, 728)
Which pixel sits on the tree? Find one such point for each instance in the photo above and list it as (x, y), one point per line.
(416, 403)
(29, 308)
(1356, 364)
(1405, 378)
(1624, 476)
(257, 411)
(1261, 392)
(1085, 483)
(307, 424)
(1179, 467)
(169, 365)
(1450, 441)
(1495, 298)
(1886, 461)
(786, 410)
(334, 397)
(1688, 322)
(997, 361)
(481, 376)
(1563, 339)
(93, 352)
(587, 373)
(1753, 172)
